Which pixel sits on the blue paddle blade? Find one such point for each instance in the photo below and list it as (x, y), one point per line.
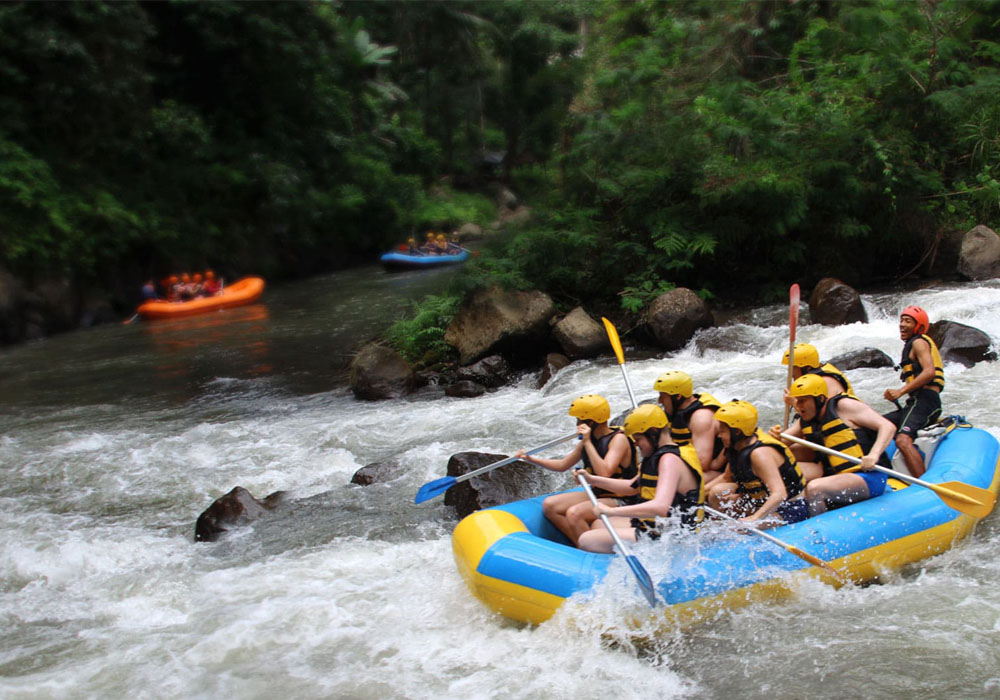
(434, 488)
(642, 576)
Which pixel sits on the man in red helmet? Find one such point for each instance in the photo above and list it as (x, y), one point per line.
(923, 381)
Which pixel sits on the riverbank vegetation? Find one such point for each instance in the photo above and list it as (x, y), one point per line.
(730, 147)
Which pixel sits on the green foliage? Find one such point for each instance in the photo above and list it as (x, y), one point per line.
(420, 339)
(444, 209)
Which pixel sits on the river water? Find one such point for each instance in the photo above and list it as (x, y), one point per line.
(113, 440)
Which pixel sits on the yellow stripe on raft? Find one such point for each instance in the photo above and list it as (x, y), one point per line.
(470, 541)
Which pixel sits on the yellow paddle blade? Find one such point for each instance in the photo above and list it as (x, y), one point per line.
(616, 344)
(815, 561)
(966, 498)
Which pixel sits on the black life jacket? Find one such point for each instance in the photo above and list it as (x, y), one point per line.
(680, 421)
(602, 445)
(748, 483)
(910, 367)
(687, 503)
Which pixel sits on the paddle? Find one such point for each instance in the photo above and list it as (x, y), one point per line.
(641, 575)
(960, 496)
(616, 345)
(129, 320)
(439, 486)
(793, 321)
(815, 561)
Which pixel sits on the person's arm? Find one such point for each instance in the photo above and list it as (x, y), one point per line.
(556, 465)
(670, 471)
(703, 429)
(607, 465)
(858, 413)
(764, 464)
(620, 487)
(795, 429)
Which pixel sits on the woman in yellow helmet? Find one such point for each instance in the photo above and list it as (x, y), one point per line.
(604, 451)
(669, 482)
(762, 482)
(806, 359)
(844, 424)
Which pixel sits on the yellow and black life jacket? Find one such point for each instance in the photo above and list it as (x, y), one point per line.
(680, 421)
(828, 370)
(750, 484)
(602, 445)
(911, 366)
(687, 503)
(830, 431)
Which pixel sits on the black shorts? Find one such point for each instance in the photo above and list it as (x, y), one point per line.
(922, 408)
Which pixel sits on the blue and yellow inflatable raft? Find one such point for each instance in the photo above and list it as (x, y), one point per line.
(520, 566)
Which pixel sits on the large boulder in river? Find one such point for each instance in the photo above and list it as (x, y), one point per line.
(514, 324)
(378, 372)
(674, 317)
(863, 358)
(580, 336)
(237, 508)
(512, 482)
(834, 303)
(960, 343)
(979, 258)
(464, 389)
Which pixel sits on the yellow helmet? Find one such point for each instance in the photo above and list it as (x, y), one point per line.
(642, 418)
(591, 407)
(806, 355)
(808, 385)
(674, 382)
(442, 237)
(739, 415)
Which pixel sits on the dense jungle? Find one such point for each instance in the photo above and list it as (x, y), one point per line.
(729, 147)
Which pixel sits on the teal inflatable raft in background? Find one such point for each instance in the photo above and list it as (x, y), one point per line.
(395, 260)
(519, 565)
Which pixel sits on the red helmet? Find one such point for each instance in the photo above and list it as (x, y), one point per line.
(918, 315)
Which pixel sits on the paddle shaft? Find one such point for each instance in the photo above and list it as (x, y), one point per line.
(897, 475)
(616, 345)
(793, 322)
(511, 460)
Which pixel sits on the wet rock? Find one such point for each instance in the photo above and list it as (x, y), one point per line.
(465, 389)
(515, 217)
(580, 336)
(237, 508)
(513, 324)
(834, 303)
(863, 358)
(505, 199)
(378, 473)
(674, 317)
(378, 372)
(960, 343)
(553, 363)
(491, 372)
(979, 257)
(511, 482)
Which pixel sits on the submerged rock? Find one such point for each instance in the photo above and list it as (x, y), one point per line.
(237, 508)
(491, 372)
(857, 359)
(378, 473)
(554, 362)
(960, 343)
(465, 389)
(834, 303)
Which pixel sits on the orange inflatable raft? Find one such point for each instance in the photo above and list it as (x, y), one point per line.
(245, 291)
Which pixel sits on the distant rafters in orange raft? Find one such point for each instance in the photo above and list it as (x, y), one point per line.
(245, 291)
